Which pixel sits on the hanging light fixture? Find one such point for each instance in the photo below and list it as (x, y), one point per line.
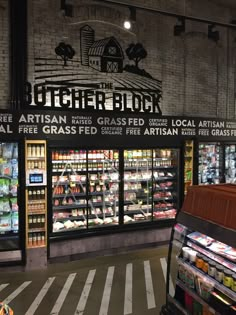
(66, 8)
(179, 28)
(214, 35)
(131, 19)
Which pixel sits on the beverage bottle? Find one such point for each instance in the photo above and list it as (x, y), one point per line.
(43, 239)
(33, 151)
(29, 151)
(30, 194)
(116, 155)
(30, 221)
(38, 153)
(38, 239)
(30, 241)
(42, 194)
(38, 194)
(34, 220)
(34, 197)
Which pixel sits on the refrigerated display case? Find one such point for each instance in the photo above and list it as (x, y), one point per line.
(87, 191)
(188, 164)
(230, 163)
(201, 271)
(9, 210)
(210, 164)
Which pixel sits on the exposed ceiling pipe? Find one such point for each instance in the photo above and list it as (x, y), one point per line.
(148, 9)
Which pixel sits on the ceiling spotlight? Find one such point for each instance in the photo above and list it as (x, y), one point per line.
(131, 19)
(127, 25)
(66, 8)
(180, 26)
(214, 35)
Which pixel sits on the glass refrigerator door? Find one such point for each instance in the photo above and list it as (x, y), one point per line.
(9, 236)
(209, 163)
(188, 165)
(165, 183)
(150, 184)
(103, 188)
(230, 163)
(69, 182)
(137, 185)
(85, 189)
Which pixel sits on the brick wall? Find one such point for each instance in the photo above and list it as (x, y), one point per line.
(4, 54)
(197, 73)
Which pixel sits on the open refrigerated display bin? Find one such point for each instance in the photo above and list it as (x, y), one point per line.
(201, 271)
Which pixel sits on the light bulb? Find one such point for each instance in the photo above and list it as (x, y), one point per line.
(127, 25)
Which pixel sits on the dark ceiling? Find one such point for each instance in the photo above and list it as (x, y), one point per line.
(226, 3)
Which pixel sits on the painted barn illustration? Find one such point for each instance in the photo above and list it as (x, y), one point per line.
(105, 55)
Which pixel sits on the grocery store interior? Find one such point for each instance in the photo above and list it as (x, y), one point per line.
(118, 157)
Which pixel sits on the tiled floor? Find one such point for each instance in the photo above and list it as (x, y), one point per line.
(130, 283)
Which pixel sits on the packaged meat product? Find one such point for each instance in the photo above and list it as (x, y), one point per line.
(57, 226)
(5, 223)
(68, 224)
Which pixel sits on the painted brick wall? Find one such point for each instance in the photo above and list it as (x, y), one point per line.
(197, 74)
(4, 54)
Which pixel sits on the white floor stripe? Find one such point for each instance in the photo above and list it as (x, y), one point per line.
(3, 286)
(164, 269)
(84, 295)
(149, 285)
(107, 292)
(128, 289)
(16, 292)
(33, 307)
(62, 296)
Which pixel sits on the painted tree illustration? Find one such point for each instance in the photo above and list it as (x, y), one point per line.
(65, 51)
(136, 52)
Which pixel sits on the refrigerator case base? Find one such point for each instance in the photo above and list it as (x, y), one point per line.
(10, 256)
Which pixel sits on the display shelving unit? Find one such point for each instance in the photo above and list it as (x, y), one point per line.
(203, 234)
(36, 202)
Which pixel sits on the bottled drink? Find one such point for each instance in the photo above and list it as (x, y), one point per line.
(42, 194)
(30, 194)
(42, 151)
(42, 239)
(34, 195)
(33, 151)
(37, 151)
(30, 241)
(29, 151)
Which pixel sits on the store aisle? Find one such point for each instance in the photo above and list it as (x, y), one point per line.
(131, 283)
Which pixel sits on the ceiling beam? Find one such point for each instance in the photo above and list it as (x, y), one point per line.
(167, 13)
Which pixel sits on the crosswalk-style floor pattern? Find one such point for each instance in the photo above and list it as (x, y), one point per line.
(136, 289)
